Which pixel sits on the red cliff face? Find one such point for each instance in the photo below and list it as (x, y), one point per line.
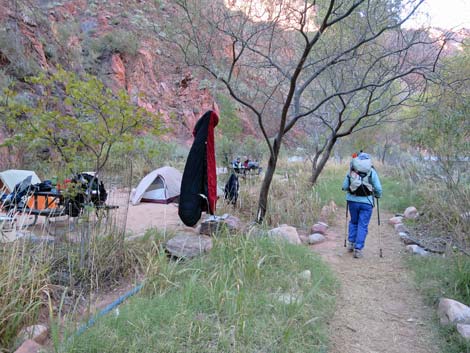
(153, 76)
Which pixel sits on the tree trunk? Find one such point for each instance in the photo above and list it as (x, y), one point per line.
(320, 160)
(385, 150)
(268, 178)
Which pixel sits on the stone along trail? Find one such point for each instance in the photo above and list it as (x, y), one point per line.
(378, 309)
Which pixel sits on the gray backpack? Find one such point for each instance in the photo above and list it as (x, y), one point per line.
(360, 176)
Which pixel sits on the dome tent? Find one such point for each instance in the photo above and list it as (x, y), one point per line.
(9, 178)
(159, 186)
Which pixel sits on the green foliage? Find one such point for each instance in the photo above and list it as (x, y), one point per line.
(149, 153)
(225, 301)
(230, 124)
(448, 277)
(443, 129)
(81, 119)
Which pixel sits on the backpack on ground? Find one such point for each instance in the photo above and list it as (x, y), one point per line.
(360, 183)
(231, 189)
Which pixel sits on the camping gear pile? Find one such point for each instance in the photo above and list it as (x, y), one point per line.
(22, 192)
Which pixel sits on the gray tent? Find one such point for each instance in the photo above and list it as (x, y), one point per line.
(160, 186)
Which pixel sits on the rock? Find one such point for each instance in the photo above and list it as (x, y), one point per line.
(316, 238)
(188, 245)
(411, 213)
(395, 220)
(29, 346)
(285, 232)
(406, 238)
(305, 275)
(452, 311)
(37, 333)
(215, 224)
(319, 227)
(401, 228)
(233, 223)
(210, 227)
(464, 330)
(416, 250)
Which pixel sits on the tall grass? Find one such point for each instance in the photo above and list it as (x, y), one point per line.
(23, 280)
(227, 301)
(448, 277)
(36, 276)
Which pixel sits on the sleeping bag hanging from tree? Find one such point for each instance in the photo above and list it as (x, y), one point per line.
(199, 184)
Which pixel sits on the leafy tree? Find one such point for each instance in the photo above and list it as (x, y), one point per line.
(79, 118)
(331, 66)
(443, 127)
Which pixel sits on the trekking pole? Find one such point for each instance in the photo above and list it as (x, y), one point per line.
(378, 223)
(346, 226)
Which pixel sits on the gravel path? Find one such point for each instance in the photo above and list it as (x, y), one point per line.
(378, 309)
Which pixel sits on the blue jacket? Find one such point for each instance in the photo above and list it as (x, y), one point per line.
(374, 180)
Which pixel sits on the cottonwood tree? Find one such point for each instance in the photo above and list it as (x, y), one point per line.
(329, 67)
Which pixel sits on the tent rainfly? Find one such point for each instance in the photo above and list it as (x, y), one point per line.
(9, 178)
(160, 186)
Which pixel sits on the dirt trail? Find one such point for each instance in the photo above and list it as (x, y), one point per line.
(378, 309)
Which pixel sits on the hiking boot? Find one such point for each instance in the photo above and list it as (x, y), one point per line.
(358, 254)
(350, 246)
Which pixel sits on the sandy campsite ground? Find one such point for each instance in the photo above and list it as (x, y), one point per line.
(144, 216)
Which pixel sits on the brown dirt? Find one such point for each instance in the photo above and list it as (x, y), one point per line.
(378, 309)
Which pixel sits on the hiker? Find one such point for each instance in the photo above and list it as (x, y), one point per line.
(237, 165)
(362, 184)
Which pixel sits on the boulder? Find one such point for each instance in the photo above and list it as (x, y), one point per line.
(29, 346)
(401, 228)
(210, 227)
(319, 227)
(233, 223)
(416, 250)
(188, 245)
(37, 333)
(452, 311)
(285, 232)
(316, 238)
(411, 213)
(395, 220)
(214, 224)
(464, 330)
(406, 238)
